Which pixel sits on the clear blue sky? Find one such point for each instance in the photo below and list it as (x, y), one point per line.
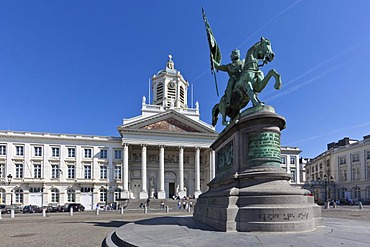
(80, 67)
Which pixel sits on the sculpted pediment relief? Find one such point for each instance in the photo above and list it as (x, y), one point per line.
(170, 124)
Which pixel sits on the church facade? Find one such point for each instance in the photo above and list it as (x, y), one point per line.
(163, 152)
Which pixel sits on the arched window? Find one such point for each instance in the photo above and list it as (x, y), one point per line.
(2, 196)
(117, 194)
(356, 193)
(71, 195)
(367, 195)
(341, 193)
(18, 194)
(160, 92)
(182, 95)
(54, 192)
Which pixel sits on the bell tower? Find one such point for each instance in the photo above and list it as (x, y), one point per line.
(170, 89)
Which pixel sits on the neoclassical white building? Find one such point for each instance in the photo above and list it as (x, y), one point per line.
(342, 171)
(165, 151)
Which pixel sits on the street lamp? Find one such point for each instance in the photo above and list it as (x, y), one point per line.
(9, 177)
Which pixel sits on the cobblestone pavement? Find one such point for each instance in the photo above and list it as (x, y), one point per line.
(88, 229)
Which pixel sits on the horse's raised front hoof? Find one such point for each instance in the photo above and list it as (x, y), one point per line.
(277, 85)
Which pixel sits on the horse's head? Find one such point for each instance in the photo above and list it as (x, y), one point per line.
(264, 51)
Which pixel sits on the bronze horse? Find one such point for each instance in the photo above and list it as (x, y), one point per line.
(251, 82)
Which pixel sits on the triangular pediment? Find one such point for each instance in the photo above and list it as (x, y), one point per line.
(170, 124)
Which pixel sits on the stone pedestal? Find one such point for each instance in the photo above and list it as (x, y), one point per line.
(250, 191)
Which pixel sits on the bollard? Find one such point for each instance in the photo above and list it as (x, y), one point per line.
(145, 209)
(335, 205)
(0, 215)
(167, 209)
(71, 211)
(12, 213)
(97, 211)
(189, 208)
(360, 205)
(121, 210)
(44, 212)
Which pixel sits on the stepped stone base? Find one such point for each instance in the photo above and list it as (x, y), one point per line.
(250, 191)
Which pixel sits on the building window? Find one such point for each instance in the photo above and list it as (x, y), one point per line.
(2, 149)
(103, 195)
(368, 155)
(117, 154)
(292, 160)
(37, 170)
(342, 160)
(2, 196)
(71, 171)
(87, 171)
(368, 173)
(356, 191)
(87, 153)
(71, 195)
(54, 195)
(55, 152)
(103, 154)
(19, 170)
(71, 152)
(283, 160)
(18, 196)
(2, 170)
(103, 172)
(292, 175)
(19, 150)
(38, 151)
(118, 172)
(355, 157)
(159, 92)
(117, 194)
(55, 171)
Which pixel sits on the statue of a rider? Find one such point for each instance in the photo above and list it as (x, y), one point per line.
(234, 69)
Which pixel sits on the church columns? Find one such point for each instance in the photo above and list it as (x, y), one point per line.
(161, 192)
(125, 193)
(144, 191)
(181, 193)
(212, 166)
(197, 191)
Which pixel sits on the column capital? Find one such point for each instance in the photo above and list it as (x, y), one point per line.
(181, 147)
(144, 145)
(125, 144)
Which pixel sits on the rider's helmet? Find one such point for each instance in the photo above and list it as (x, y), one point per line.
(235, 54)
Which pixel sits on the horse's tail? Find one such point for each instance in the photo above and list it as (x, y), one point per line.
(215, 112)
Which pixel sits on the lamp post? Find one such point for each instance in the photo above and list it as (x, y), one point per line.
(9, 177)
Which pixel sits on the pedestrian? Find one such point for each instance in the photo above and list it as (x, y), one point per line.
(179, 204)
(147, 202)
(184, 204)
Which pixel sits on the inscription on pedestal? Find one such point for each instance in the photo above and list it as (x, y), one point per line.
(264, 146)
(284, 217)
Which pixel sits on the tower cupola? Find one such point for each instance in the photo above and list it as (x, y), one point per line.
(169, 87)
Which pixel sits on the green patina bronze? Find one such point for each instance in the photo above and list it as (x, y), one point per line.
(264, 149)
(246, 81)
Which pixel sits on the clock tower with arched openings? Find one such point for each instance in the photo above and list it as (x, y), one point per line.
(170, 89)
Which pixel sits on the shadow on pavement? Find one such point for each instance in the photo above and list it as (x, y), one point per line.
(188, 222)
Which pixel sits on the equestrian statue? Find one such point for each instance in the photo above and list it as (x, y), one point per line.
(246, 80)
